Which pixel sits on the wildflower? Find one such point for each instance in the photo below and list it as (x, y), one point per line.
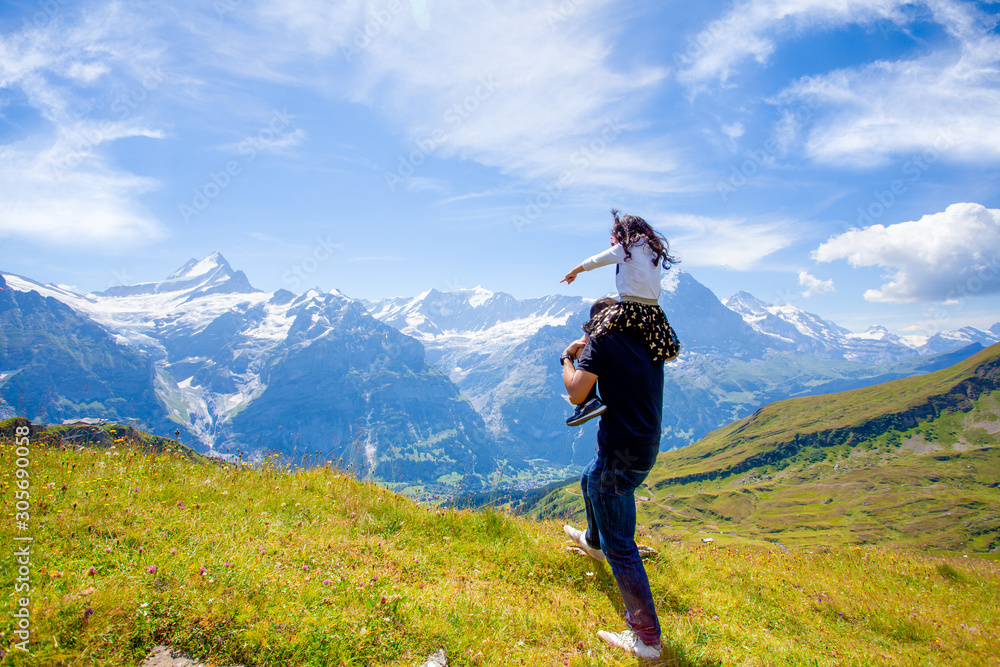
(173, 552)
(87, 613)
(228, 564)
(327, 582)
(107, 550)
(202, 570)
(382, 600)
(180, 503)
(92, 571)
(142, 549)
(151, 569)
(305, 568)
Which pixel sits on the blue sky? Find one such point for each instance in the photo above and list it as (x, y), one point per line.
(839, 155)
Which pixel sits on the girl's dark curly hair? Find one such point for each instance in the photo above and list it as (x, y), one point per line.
(631, 229)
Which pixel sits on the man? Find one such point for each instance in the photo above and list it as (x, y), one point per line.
(628, 440)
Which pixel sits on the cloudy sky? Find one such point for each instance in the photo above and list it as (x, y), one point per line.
(839, 155)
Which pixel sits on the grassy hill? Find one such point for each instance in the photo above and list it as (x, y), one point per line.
(138, 543)
(911, 462)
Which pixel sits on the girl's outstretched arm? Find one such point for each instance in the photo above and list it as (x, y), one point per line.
(571, 276)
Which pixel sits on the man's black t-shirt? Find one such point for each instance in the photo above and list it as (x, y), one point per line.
(631, 385)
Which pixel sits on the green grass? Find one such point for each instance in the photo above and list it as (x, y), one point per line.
(928, 480)
(781, 426)
(312, 567)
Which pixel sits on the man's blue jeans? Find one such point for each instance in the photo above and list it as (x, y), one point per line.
(609, 494)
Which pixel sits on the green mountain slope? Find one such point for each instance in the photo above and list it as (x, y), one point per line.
(912, 461)
(136, 543)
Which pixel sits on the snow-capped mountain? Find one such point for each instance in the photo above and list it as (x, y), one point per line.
(489, 345)
(736, 356)
(949, 340)
(232, 366)
(812, 334)
(314, 373)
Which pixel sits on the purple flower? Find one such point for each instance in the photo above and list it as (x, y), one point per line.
(202, 570)
(180, 503)
(151, 569)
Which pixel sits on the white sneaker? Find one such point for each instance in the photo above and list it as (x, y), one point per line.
(629, 642)
(580, 539)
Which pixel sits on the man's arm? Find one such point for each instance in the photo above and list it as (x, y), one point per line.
(578, 382)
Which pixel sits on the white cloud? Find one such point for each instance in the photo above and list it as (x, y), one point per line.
(58, 187)
(730, 242)
(944, 256)
(749, 29)
(50, 197)
(507, 86)
(944, 101)
(734, 131)
(814, 286)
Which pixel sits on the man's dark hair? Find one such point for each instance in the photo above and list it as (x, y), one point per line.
(601, 304)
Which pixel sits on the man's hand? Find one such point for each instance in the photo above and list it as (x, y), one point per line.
(575, 348)
(578, 382)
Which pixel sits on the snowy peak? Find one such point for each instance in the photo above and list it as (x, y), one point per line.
(874, 332)
(746, 303)
(211, 275)
(194, 268)
(434, 313)
(812, 334)
(949, 340)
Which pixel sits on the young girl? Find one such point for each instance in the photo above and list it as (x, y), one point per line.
(638, 253)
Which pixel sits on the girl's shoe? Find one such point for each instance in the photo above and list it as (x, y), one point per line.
(586, 411)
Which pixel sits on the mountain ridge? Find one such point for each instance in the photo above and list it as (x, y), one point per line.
(926, 397)
(216, 344)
